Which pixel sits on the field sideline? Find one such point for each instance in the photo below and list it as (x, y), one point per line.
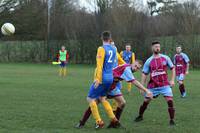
(34, 99)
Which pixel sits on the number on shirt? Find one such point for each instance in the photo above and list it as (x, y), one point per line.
(110, 58)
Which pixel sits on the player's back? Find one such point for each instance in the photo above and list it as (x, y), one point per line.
(123, 72)
(119, 70)
(109, 62)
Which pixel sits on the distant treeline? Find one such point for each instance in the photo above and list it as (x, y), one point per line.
(77, 28)
(36, 51)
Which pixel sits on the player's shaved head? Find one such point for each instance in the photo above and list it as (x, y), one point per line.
(106, 36)
(139, 62)
(136, 65)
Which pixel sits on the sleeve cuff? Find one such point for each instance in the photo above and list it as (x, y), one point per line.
(145, 73)
(171, 68)
(131, 81)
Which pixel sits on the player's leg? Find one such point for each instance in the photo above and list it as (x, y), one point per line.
(145, 104)
(182, 88)
(114, 121)
(107, 108)
(116, 91)
(95, 113)
(65, 69)
(61, 70)
(94, 94)
(118, 99)
(180, 80)
(142, 109)
(121, 104)
(167, 93)
(171, 109)
(104, 91)
(114, 105)
(85, 117)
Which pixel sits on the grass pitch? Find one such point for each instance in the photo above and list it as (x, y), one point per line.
(34, 99)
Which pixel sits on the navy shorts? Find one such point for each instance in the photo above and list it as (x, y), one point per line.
(100, 91)
(63, 64)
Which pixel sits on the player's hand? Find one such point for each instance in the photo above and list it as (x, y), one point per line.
(96, 83)
(187, 72)
(172, 83)
(141, 92)
(149, 94)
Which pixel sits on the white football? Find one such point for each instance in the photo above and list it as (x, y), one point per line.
(8, 29)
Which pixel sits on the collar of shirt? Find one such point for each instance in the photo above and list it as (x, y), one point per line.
(156, 56)
(179, 53)
(106, 43)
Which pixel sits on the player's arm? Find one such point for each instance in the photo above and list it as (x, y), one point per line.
(187, 69)
(59, 56)
(67, 57)
(145, 72)
(120, 60)
(143, 79)
(142, 88)
(133, 58)
(130, 78)
(174, 59)
(95, 73)
(121, 53)
(187, 60)
(171, 66)
(173, 76)
(100, 60)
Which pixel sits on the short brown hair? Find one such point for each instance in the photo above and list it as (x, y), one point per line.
(177, 46)
(155, 42)
(106, 35)
(139, 61)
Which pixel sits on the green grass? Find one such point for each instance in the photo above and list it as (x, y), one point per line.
(33, 99)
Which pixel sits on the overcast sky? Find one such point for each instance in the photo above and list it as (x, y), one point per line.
(90, 7)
